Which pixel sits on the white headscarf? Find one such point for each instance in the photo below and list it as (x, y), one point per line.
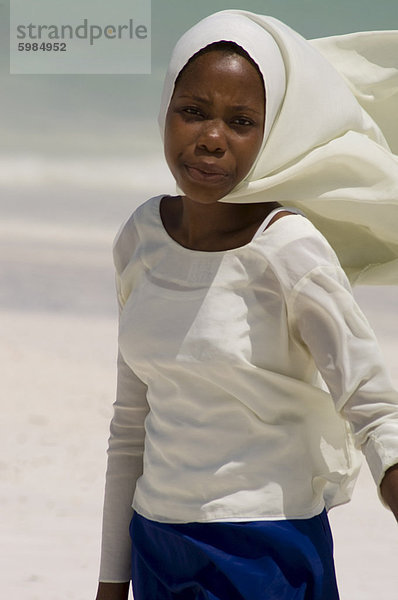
(323, 149)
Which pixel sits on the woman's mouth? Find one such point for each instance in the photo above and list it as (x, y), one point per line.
(206, 173)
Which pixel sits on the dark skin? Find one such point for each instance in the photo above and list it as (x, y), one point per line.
(214, 130)
(389, 489)
(113, 591)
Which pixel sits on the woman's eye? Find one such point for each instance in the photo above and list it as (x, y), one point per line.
(243, 121)
(192, 110)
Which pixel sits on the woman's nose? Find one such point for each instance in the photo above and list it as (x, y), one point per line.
(212, 137)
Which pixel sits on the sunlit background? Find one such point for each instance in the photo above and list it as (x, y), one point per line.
(77, 154)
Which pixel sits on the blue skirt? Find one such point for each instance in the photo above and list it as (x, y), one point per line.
(260, 560)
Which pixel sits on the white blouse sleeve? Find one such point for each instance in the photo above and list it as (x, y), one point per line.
(125, 453)
(326, 317)
(125, 459)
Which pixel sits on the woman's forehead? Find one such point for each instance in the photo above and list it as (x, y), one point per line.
(224, 48)
(226, 77)
(219, 63)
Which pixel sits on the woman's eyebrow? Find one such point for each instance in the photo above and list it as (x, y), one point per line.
(195, 97)
(245, 108)
(237, 107)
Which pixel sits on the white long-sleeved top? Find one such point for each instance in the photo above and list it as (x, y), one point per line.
(220, 412)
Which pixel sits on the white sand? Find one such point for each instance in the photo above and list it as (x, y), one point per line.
(57, 350)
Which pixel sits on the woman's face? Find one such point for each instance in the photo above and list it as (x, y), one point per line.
(214, 125)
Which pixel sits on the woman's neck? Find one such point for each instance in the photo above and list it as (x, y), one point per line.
(212, 227)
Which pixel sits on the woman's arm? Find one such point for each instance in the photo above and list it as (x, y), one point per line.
(125, 464)
(328, 320)
(125, 449)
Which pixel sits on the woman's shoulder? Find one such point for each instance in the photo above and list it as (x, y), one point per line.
(295, 247)
(131, 231)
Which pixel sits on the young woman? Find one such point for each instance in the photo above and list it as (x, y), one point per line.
(232, 304)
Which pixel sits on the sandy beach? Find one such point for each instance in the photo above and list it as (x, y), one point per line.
(57, 351)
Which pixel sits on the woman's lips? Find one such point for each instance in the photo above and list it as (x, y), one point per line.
(206, 173)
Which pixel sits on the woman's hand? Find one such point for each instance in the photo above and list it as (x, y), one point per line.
(113, 591)
(389, 489)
